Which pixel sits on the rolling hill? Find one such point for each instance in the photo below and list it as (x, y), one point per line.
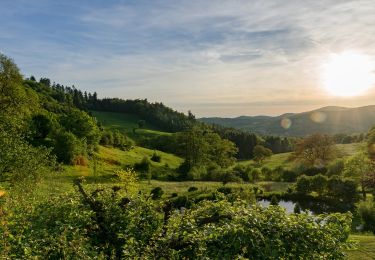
(327, 120)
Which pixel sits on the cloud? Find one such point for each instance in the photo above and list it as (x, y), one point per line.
(188, 53)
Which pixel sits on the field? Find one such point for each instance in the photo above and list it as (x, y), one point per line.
(365, 247)
(283, 159)
(127, 123)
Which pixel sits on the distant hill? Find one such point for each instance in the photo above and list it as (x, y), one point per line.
(327, 120)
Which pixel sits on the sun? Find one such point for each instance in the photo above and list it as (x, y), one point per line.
(348, 74)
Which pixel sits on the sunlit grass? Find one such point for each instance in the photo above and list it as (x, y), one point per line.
(365, 248)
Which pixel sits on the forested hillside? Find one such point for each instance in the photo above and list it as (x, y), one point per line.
(326, 120)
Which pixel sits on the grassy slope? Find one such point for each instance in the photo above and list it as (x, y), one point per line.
(110, 159)
(282, 159)
(126, 123)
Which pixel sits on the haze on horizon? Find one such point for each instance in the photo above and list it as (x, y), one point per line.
(215, 58)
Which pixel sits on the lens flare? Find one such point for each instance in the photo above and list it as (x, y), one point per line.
(318, 117)
(286, 123)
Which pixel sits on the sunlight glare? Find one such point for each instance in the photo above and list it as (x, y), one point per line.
(348, 74)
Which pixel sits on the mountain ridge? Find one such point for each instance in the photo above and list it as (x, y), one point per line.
(326, 120)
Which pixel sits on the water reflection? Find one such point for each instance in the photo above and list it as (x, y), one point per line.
(311, 207)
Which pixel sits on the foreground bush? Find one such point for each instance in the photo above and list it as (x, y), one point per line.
(107, 223)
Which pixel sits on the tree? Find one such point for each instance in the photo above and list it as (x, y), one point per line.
(18, 159)
(128, 177)
(14, 104)
(141, 123)
(371, 143)
(67, 147)
(360, 168)
(260, 153)
(315, 150)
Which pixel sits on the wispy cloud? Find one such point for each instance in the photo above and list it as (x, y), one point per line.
(189, 53)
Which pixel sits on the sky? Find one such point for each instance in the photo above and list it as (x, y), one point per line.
(216, 58)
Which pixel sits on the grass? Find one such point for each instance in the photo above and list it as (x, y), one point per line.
(126, 123)
(282, 159)
(365, 248)
(345, 150)
(110, 159)
(276, 160)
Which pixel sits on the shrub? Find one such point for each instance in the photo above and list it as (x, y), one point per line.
(156, 193)
(242, 172)
(67, 147)
(197, 173)
(255, 175)
(312, 171)
(267, 173)
(192, 188)
(144, 166)
(342, 189)
(303, 185)
(156, 157)
(289, 176)
(336, 168)
(366, 210)
(80, 160)
(225, 190)
(274, 201)
(297, 208)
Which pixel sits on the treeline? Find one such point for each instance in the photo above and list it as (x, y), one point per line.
(159, 115)
(55, 120)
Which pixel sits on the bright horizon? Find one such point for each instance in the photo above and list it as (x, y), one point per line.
(215, 58)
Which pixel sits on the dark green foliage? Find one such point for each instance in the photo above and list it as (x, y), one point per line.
(225, 190)
(244, 141)
(201, 146)
(342, 189)
(335, 187)
(41, 126)
(144, 166)
(156, 193)
(312, 171)
(116, 139)
(181, 202)
(303, 185)
(192, 188)
(254, 233)
(289, 176)
(261, 153)
(274, 201)
(141, 123)
(155, 113)
(366, 210)
(267, 173)
(336, 168)
(67, 147)
(297, 208)
(156, 157)
(18, 159)
(82, 126)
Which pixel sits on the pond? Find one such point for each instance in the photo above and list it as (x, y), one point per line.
(312, 207)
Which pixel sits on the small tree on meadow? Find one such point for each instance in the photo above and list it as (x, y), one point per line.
(261, 153)
(315, 150)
